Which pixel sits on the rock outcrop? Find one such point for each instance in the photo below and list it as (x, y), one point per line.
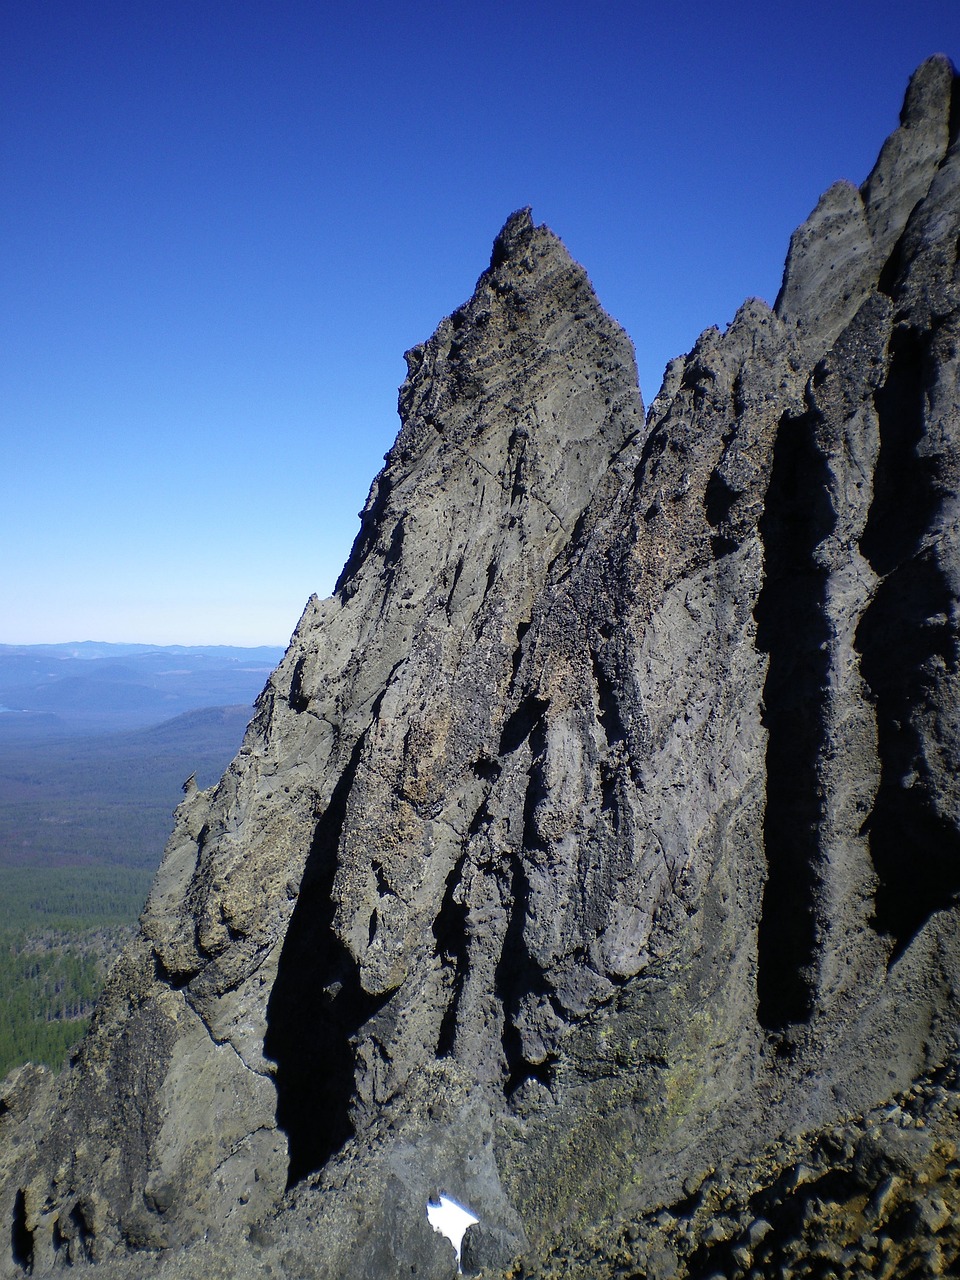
(593, 855)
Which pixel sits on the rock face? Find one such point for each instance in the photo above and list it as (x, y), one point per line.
(601, 830)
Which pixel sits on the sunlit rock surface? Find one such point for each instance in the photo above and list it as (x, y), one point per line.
(595, 847)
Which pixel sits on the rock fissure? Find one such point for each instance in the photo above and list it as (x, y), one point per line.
(243, 1142)
(793, 629)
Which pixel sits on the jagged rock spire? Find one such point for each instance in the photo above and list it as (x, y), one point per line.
(838, 254)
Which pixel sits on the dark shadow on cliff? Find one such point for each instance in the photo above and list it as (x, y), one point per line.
(316, 1006)
(792, 628)
(518, 975)
(907, 490)
(904, 640)
(21, 1237)
(907, 646)
(450, 933)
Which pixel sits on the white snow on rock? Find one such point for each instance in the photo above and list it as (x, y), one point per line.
(450, 1219)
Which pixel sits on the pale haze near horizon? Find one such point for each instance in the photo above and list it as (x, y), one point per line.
(222, 226)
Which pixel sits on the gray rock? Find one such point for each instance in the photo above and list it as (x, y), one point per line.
(847, 244)
(486, 1247)
(911, 155)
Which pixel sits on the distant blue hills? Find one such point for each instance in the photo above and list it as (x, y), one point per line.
(95, 687)
(97, 739)
(87, 649)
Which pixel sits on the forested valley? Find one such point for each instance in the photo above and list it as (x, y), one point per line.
(60, 930)
(84, 815)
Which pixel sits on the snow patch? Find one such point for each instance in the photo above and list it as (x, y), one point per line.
(450, 1219)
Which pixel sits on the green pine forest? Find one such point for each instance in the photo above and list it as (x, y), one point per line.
(60, 930)
(83, 822)
(86, 806)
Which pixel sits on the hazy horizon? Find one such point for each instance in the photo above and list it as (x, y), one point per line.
(222, 228)
(131, 644)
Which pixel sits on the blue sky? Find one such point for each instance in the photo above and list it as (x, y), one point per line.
(222, 222)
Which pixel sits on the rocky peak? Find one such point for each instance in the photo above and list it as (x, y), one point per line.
(837, 256)
(468, 390)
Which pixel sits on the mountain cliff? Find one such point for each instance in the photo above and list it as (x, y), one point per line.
(593, 856)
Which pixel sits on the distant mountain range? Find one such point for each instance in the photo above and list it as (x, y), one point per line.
(96, 740)
(83, 800)
(92, 687)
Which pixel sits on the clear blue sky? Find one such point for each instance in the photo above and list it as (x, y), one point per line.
(223, 221)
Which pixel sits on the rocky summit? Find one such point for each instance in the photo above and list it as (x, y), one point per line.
(592, 859)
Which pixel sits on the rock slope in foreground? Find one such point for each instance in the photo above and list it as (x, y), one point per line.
(593, 855)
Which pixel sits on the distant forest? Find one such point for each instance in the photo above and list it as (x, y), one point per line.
(76, 800)
(60, 930)
(87, 793)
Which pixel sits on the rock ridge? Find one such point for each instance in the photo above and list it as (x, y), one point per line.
(600, 830)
